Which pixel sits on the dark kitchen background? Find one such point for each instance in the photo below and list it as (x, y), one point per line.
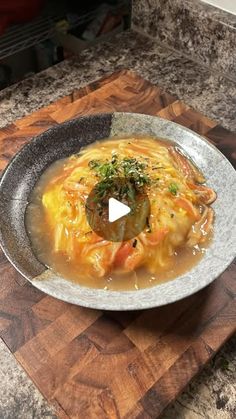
(36, 34)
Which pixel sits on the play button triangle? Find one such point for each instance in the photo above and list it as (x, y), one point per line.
(120, 219)
(116, 210)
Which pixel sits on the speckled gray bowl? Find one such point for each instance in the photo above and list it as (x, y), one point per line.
(61, 141)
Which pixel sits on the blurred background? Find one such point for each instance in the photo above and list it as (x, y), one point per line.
(36, 34)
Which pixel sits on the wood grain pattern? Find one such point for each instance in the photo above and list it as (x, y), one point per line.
(91, 364)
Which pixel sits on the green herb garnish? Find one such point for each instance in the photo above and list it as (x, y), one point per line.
(173, 188)
(129, 169)
(93, 164)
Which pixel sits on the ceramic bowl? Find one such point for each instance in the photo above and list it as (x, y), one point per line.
(61, 141)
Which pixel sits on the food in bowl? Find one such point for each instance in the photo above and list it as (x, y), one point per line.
(176, 233)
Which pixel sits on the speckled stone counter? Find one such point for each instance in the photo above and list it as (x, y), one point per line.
(213, 393)
(19, 398)
(210, 93)
(198, 30)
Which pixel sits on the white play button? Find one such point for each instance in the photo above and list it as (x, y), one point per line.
(113, 217)
(116, 210)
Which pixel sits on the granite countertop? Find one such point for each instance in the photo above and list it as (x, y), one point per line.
(210, 93)
(213, 392)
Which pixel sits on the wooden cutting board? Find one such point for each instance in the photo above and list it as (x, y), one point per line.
(93, 364)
